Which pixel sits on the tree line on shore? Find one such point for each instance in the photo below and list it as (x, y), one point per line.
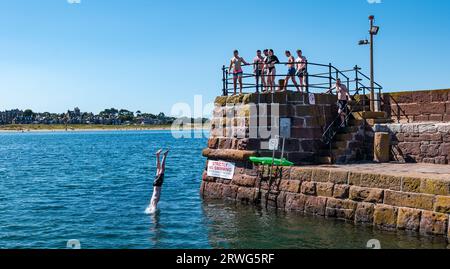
(111, 116)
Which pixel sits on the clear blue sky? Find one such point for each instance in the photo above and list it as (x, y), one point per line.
(149, 54)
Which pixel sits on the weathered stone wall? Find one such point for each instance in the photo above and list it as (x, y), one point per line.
(418, 106)
(419, 142)
(388, 202)
(238, 120)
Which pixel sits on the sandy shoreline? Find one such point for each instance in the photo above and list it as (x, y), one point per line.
(75, 130)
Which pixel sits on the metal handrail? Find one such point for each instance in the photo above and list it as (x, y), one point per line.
(334, 127)
(330, 77)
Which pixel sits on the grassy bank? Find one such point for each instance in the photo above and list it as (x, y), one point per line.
(86, 127)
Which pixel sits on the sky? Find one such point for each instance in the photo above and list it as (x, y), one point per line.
(151, 54)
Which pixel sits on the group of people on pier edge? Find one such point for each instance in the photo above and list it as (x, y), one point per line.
(264, 70)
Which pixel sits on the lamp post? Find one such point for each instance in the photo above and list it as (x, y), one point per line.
(373, 32)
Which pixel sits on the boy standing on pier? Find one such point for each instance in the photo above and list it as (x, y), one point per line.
(258, 66)
(343, 99)
(291, 72)
(158, 182)
(301, 68)
(236, 69)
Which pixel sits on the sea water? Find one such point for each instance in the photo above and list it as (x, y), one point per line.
(94, 188)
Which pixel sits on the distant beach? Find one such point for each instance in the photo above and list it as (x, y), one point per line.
(95, 128)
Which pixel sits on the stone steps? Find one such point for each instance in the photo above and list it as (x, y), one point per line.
(369, 115)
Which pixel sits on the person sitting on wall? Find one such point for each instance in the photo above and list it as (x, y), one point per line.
(343, 99)
(291, 72)
(158, 182)
(301, 68)
(236, 68)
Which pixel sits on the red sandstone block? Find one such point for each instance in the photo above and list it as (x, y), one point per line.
(341, 209)
(246, 195)
(281, 200)
(315, 205)
(302, 157)
(442, 204)
(325, 189)
(321, 175)
(439, 96)
(436, 117)
(213, 143)
(306, 110)
(354, 178)
(446, 117)
(364, 213)
(433, 108)
(411, 109)
(292, 145)
(308, 188)
(311, 145)
(295, 202)
(433, 223)
(306, 133)
(381, 181)
(421, 118)
(412, 200)
(366, 194)
(290, 186)
(244, 181)
(435, 186)
(298, 122)
(408, 148)
(445, 148)
(400, 98)
(423, 97)
(385, 216)
(341, 191)
(230, 192)
(212, 190)
(338, 177)
(302, 174)
(408, 219)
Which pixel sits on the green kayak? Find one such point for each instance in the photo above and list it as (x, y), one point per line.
(269, 161)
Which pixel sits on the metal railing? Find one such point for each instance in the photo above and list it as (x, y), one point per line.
(318, 77)
(360, 102)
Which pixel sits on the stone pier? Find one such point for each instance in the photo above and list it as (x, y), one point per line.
(413, 197)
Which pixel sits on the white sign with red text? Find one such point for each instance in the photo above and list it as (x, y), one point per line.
(221, 169)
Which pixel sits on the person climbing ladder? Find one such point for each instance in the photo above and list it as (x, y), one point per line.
(158, 182)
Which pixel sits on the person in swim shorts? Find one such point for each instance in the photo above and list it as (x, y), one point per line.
(258, 66)
(301, 68)
(343, 99)
(236, 70)
(291, 71)
(158, 182)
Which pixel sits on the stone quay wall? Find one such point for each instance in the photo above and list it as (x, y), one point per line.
(419, 142)
(418, 106)
(243, 125)
(388, 202)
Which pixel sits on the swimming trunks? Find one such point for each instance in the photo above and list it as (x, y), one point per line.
(291, 71)
(159, 180)
(301, 73)
(342, 105)
(238, 74)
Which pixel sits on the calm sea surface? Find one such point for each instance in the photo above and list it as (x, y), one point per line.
(95, 187)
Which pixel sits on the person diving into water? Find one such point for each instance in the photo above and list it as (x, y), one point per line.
(158, 182)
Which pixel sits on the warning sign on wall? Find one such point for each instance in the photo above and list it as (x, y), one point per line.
(221, 169)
